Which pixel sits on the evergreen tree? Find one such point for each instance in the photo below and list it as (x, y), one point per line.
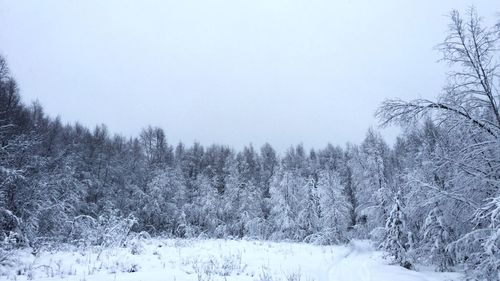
(396, 241)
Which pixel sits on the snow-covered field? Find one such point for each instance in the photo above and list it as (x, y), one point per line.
(211, 260)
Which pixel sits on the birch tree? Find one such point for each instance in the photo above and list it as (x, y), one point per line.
(468, 111)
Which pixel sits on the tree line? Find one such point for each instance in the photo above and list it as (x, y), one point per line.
(433, 197)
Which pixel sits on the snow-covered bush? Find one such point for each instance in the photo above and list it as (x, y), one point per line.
(135, 242)
(10, 230)
(378, 234)
(258, 228)
(106, 230)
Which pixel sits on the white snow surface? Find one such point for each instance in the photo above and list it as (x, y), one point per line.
(212, 260)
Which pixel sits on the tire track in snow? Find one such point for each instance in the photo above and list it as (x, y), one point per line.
(354, 265)
(361, 263)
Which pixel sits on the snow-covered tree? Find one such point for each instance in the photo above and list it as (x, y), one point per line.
(396, 241)
(435, 238)
(286, 192)
(308, 216)
(370, 174)
(489, 266)
(243, 197)
(334, 208)
(160, 202)
(463, 172)
(269, 166)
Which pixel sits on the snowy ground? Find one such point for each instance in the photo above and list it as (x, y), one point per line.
(212, 260)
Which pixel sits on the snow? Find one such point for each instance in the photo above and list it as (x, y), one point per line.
(212, 260)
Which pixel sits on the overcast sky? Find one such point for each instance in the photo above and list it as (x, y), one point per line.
(231, 72)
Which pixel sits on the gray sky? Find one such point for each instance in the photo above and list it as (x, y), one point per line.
(228, 71)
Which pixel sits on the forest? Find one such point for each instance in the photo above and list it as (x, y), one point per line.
(433, 197)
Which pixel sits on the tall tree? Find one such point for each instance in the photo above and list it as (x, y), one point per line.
(334, 206)
(467, 110)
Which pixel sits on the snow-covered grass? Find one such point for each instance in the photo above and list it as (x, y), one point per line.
(212, 260)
